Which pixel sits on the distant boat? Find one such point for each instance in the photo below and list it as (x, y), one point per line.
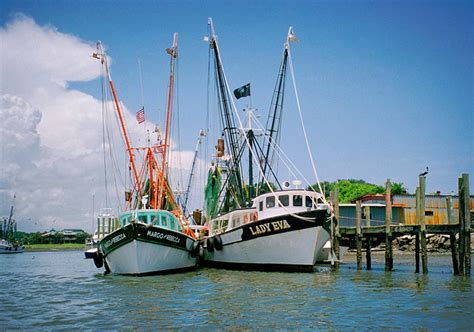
(8, 243)
(153, 234)
(105, 225)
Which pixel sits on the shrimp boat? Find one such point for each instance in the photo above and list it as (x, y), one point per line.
(264, 224)
(8, 244)
(153, 235)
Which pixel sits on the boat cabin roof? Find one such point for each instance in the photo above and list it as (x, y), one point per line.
(159, 218)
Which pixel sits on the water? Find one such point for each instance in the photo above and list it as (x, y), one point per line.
(61, 290)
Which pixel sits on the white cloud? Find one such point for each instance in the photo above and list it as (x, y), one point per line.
(51, 135)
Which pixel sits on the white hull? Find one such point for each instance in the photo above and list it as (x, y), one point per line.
(137, 257)
(8, 248)
(295, 250)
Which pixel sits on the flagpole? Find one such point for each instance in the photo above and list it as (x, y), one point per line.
(143, 99)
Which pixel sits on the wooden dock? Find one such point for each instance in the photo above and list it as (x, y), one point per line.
(459, 234)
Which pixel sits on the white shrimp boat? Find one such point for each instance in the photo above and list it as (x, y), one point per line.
(266, 225)
(153, 235)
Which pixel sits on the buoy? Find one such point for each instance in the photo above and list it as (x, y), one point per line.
(218, 242)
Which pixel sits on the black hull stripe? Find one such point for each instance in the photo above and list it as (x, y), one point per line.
(140, 232)
(259, 267)
(281, 224)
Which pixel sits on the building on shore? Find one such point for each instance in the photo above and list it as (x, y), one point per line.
(403, 209)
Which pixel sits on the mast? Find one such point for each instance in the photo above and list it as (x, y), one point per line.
(273, 125)
(173, 52)
(103, 58)
(230, 130)
(188, 188)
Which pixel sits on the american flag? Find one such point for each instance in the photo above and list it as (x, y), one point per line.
(141, 115)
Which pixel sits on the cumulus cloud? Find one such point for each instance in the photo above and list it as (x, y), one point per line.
(51, 135)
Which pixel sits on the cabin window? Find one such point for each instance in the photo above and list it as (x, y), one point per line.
(164, 221)
(260, 206)
(429, 213)
(143, 219)
(270, 202)
(172, 224)
(297, 200)
(154, 220)
(284, 200)
(224, 224)
(308, 201)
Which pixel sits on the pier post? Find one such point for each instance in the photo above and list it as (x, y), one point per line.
(424, 254)
(336, 234)
(452, 236)
(467, 225)
(368, 247)
(417, 252)
(464, 226)
(358, 236)
(417, 236)
(388, 222)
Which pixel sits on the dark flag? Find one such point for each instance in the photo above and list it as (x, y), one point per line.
(243, 91)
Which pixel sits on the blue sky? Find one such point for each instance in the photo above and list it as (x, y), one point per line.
(386, 87)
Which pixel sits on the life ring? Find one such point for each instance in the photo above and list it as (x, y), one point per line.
(210, 244)
(218, 242)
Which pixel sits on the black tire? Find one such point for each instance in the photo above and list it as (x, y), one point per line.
(98, 260)
(210, 244)
(195, 248)
(218, 242)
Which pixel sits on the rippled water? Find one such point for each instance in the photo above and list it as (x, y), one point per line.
(61, 290)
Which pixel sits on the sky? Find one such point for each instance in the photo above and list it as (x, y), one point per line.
(385, 87)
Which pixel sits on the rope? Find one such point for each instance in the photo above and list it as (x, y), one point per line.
(302, 122)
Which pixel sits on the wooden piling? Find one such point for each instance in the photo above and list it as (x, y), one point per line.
(368, 247)
(467, 225)
(358, 236)
(452, 236)
(461, 226)
(424, 253)
(464, 226)
(337, 235)
(388, 222)
(417, 253)
(454, 253)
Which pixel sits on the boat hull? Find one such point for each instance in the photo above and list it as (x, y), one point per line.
(283, 243)
(137, 249)
(11, 250)
(7, 247)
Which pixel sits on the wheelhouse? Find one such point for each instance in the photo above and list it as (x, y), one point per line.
(158, 218)
(287, 201)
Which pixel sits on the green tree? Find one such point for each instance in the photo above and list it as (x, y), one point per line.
(399, 189)
(350, 189)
